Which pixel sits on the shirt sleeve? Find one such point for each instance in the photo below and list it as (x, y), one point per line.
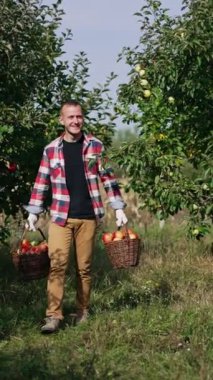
(41, 186)
(109, 182)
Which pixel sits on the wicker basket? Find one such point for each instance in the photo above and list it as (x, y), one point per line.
(124, 253)
(31, 266)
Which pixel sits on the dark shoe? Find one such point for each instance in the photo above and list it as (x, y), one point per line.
(82, 316)
(51, 325)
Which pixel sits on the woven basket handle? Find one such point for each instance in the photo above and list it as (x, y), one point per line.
(41, 232)
(26, 230)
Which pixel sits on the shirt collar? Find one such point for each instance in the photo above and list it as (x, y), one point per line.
(87, 138)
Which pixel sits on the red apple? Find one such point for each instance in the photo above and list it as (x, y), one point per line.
(117, 239)
(107, 237)
(133, 236)
(11, 166)
(33, 249)
(43, 246)
(129, 231)
(118, 235)
(37, 249)
(24, 250)
(25, 244)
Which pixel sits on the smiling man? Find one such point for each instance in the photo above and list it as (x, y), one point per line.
(72, 118)
(76, 208)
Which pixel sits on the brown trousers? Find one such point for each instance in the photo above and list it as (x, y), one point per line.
(81, 233)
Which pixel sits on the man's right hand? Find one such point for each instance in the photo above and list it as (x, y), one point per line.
(31, 221)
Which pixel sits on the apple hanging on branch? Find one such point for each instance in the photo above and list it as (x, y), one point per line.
(146, 93)
(11, 166)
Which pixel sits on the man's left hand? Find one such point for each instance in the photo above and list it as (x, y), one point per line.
(120, 218)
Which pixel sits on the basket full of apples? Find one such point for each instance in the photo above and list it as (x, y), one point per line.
(31, 257)
(123, 247)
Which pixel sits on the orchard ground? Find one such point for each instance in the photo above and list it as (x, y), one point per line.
(151, 322)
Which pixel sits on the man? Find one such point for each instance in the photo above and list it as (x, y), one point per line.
(71, 165)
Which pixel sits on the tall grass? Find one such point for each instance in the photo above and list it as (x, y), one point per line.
(151, 322)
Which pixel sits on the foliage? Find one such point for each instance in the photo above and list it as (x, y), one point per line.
(34, 81)
(169, 99)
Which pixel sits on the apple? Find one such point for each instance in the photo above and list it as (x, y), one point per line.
(37, 249)
(171, 100)
(195, 232)
(133, 236)
(118, 235)
(43, 246)
(34, 249)
(162, 136)
(25, 241)
(142, 72)
(107, 237)
(129, 231)
(34, 242)
(11, 166)
(25, 244)
(137, 68)
(117, 239)
(24, 250)
(147, 93)
(144, 82)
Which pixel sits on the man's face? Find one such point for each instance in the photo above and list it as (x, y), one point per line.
(72, 119)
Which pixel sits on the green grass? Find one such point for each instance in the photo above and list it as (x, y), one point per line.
(152, 322)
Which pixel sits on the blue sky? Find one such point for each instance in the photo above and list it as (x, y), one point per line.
(101, 29)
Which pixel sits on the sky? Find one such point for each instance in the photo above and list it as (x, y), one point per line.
(101, 28)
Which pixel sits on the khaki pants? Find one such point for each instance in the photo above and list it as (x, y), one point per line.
(81, 233)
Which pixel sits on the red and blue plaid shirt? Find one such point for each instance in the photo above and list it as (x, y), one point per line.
(52, 173)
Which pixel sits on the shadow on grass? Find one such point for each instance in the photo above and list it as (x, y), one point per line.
(34, 363)
(20, 301)
(103, 272)
(117, 289)
(24, 302)
(129, 297)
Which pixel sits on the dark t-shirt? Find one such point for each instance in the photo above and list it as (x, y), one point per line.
(80, 200)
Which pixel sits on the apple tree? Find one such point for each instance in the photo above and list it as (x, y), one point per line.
(168, 98)
(34, 81)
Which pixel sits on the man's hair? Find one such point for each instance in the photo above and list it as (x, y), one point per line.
(71, 102)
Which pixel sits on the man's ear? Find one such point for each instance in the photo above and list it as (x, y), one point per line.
(60, 119)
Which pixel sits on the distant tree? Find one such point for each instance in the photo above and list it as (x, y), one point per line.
(34, 80)
(123, 135)
(169, 99)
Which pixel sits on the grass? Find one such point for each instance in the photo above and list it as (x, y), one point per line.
(152, 322)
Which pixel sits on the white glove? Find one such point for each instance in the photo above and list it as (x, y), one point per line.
(31, 220)
(120, 218)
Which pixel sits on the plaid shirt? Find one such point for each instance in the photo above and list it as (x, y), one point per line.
(52, 172)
